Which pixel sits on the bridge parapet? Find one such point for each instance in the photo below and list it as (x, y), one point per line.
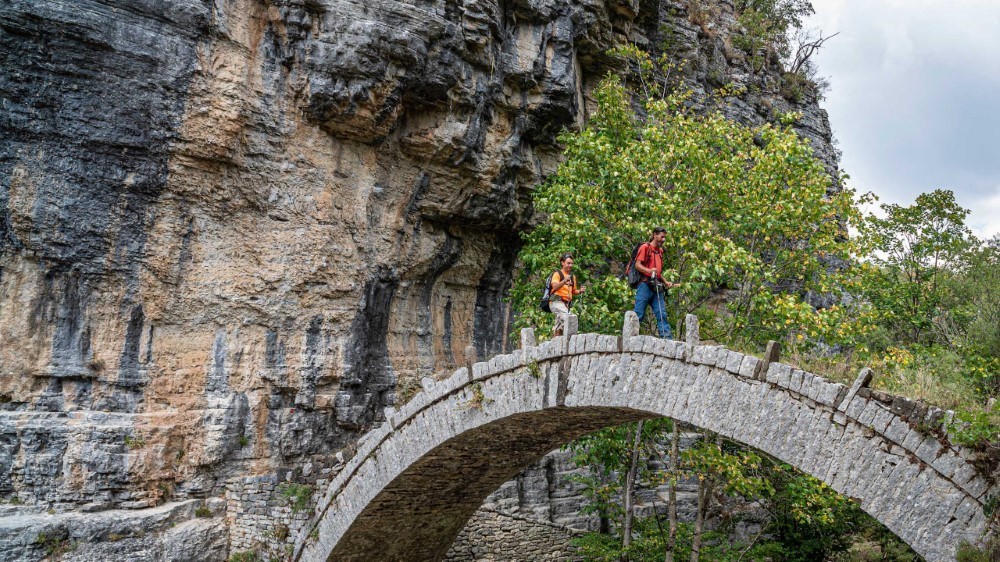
(845, 436)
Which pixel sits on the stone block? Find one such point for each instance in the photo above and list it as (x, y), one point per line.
(704, 354)
(630, 328)
(607, 344)
(861, 381)
(963, 474)
(882, 419)
(796, 381)
(427, 384)
(948, 464)
(721, 358)
(748, 367)
(815, 386)
(867, 416)
(480, 370)
(854, 408)
(897, 430)
(912, 440)
(692, 335)
(528, 338)
(903, 407)
(390, 416)
(733, 362)
(779, 374)
(928, 449)
(679, 350)
(829, 393)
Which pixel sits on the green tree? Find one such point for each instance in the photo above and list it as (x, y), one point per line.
(917, 250)
(765, 28)
(749, 211)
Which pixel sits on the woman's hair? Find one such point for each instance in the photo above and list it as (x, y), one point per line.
(565, 257)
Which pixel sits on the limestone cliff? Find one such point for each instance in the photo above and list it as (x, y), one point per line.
(233, 231)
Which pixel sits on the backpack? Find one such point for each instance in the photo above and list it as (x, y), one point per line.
(633, 275)
(547, 292)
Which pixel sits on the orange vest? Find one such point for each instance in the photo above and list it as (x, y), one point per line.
(566, 291)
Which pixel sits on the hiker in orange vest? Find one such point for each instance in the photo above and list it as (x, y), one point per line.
(649, 262)
(564, 288)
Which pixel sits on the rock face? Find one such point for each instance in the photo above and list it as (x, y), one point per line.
(169, 533)
(232, 232)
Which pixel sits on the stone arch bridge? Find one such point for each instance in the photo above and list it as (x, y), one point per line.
(415, 481)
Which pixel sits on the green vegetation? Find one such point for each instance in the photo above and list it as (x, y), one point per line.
(280, 532)
(534, 370)
(972, 553)
(478, 399)
(298, 496)
(245, 556)
(758, 239)
(203, 511)
(746, 212)
(134, 442)
(55, 545)
(765, 27)
(806, 519)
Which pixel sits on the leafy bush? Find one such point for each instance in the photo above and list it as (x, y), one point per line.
(298, 496)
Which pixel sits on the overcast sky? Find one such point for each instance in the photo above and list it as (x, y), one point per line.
(915, 98)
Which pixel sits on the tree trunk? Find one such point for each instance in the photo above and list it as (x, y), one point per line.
(672, 498)
(629, 492)
(699, 520)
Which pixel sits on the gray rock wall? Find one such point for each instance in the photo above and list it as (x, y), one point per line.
(172, 532)
(502, 537)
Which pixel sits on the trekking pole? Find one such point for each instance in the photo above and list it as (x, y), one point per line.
(662, 306)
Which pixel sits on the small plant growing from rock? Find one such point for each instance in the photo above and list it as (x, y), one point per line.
(478, 399)
(244, 441)
(245, 556)
(534, 370)
(203, 511)
(280, 532)
(134, 442)
(298, 496)
(54, 545)
(314, 534)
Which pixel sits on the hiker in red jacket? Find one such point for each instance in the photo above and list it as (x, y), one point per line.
(649, 262)
(564, 288)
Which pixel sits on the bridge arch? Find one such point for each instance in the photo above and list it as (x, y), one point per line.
(415, 481)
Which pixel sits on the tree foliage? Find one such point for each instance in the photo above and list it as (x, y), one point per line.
(915, 250)
(765, 28)
(748, 210)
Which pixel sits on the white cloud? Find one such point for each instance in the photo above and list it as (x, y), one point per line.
(913, 101)
(985, 221)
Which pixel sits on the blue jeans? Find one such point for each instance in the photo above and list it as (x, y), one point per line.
(647, 295)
